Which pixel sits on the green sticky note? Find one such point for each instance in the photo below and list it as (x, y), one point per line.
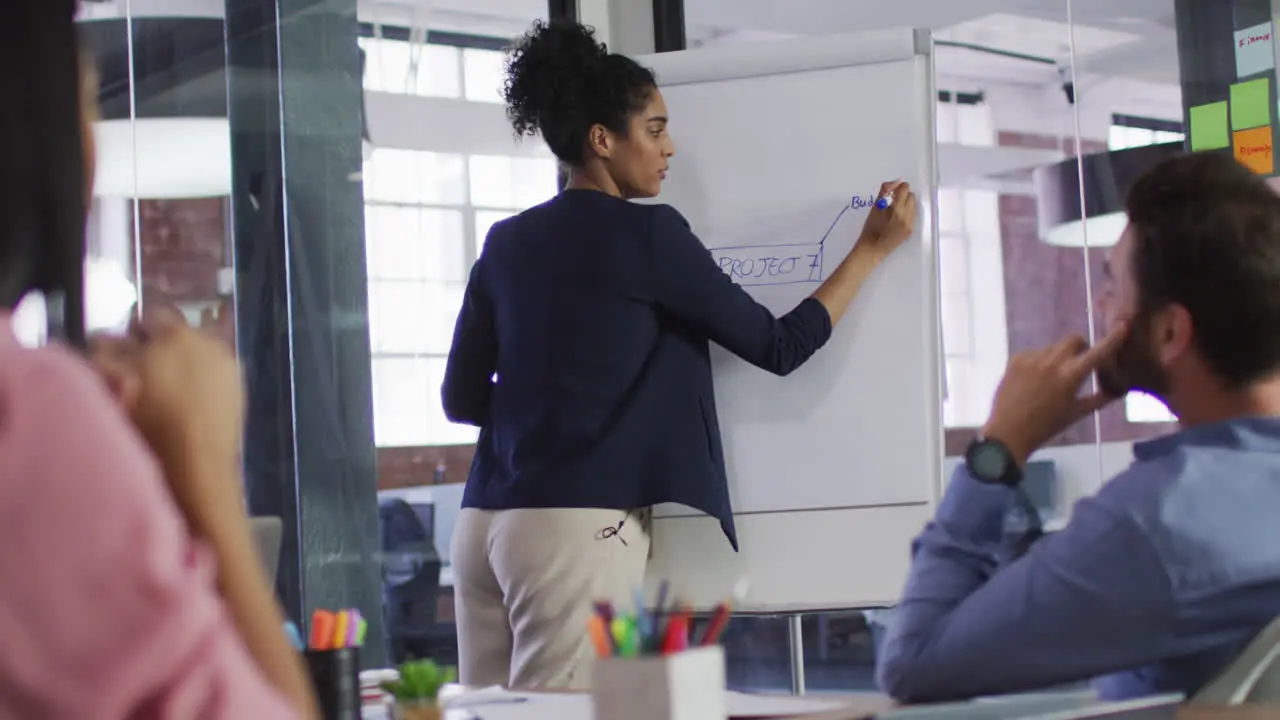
(1209, 127)
(1251, 104)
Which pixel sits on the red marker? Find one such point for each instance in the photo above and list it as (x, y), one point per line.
(717, 625)
(677, 636)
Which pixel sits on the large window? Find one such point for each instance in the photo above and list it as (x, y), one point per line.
(431, 69)
(1128, 131)
(422, 69)
(973, 322)
(974, 337)
(426, 217)
(427, 214)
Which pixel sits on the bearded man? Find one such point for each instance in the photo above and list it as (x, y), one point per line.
(1162, 578)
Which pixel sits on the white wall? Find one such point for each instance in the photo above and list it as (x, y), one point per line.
(1043, 108)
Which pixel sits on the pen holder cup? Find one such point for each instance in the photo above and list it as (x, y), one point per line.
(335, 675)
(688, 685)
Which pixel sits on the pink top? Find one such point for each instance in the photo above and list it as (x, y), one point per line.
(108, 608)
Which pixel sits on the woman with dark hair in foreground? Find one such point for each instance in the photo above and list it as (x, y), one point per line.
(132, 586)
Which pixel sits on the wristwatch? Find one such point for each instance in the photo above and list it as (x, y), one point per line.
(990, 461)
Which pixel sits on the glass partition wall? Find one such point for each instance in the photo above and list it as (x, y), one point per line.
(313, 179)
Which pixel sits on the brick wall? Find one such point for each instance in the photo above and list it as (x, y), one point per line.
(406, 466)
(183, 244)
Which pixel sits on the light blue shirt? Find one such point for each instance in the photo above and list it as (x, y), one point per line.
(1155, 585)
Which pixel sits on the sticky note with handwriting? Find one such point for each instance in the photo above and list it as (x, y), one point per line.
(1253, 148)
(1254, 51)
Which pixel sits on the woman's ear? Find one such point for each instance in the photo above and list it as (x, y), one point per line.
(600, 141)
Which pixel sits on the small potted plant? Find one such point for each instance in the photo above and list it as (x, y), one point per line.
(416, 691)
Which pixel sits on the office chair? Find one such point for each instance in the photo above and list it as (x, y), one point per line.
(410, 581)
(1253, 677)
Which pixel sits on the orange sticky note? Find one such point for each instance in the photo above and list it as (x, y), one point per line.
(1253, 148)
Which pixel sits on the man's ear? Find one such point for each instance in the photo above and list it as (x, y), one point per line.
(1172, 333)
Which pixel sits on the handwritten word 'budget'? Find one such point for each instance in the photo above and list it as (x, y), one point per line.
(771, 264)
(863, 202)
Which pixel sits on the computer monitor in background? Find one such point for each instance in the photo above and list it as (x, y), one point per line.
(1040, 483)
(1038, 505)
(448, 503)
(426, 513)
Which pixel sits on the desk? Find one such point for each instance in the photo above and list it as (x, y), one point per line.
(866, 705)
(1237, 713)
(1188, 712)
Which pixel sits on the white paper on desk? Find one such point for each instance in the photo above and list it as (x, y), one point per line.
(745, 705)
(460, 697)
(494, 703)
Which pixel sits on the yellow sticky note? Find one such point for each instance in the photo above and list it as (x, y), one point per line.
(1253, 148)
(1209, 129)
(1251, 104)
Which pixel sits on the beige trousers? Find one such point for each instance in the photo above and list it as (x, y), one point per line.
(525, 583)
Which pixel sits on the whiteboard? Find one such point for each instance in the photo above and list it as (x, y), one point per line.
(780, 150)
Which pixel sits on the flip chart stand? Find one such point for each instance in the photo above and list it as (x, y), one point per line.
(795, 629)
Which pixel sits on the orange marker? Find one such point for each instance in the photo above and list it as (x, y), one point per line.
(322, 622)
(599, 636)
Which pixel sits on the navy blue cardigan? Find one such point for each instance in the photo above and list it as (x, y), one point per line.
(581, 352)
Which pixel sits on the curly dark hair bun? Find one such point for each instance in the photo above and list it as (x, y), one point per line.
(561, 81)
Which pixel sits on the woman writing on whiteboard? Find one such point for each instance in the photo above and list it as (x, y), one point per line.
(582, 353)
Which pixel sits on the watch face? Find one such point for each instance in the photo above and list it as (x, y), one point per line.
(989, 461)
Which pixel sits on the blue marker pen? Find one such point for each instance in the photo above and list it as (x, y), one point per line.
(295, 637)
(884, 202)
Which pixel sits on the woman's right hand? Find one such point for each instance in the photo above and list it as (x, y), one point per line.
(182, 389)
(884, 230)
